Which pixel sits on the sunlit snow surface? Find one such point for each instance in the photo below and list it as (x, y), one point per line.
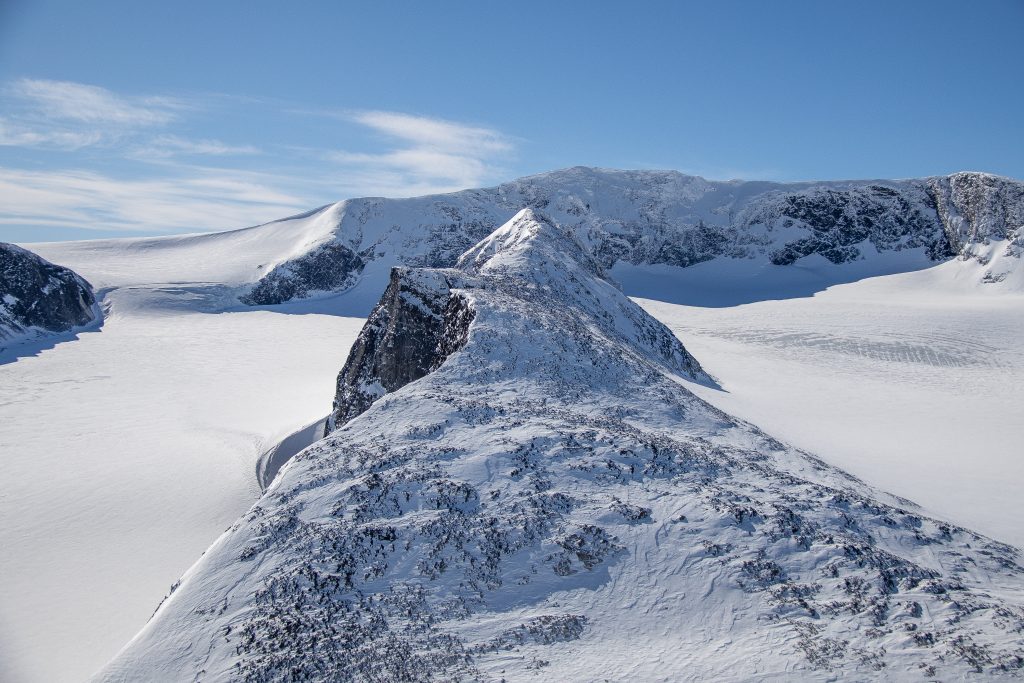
(129, 449)
(908, 381)
(552, 500)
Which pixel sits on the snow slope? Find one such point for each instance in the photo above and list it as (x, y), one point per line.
(229, 259)
(550, 499)
(128, 450)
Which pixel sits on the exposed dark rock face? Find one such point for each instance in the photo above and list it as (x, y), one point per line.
(38, 296)
(417, 324)
(840, 220)
(976, 208)
(331, 267)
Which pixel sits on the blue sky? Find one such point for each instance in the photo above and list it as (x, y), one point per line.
(124, 117)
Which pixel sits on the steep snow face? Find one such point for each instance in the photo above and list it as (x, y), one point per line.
(550, 498)
(38, 298)
(652, 218)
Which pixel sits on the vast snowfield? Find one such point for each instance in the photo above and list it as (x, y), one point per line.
(913, 382)
(128, 450)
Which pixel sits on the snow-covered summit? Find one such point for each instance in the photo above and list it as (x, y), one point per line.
(526, 489)
(425, 314)
(526, 244)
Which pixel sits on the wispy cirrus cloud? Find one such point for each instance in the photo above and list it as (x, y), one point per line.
(208, 200)
(95, 160)
(426, 154)
(15, 134)
(69, 101)
(67, 116)
(170, 145)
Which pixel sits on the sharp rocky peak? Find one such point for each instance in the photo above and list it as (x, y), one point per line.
(425, 315)
(526, 245)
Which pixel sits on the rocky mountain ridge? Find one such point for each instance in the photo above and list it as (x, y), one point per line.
(664, 217)
(518, 484)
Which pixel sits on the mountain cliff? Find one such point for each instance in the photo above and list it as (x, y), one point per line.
(647, 218)
(517, 482)
(39, 298)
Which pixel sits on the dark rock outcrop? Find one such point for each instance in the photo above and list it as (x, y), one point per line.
(417, 324)
(839, 220)
(976, 208)
(39, 297)
(331, 267)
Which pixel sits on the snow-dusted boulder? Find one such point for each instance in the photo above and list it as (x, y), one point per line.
(38, 298)
(530, 489)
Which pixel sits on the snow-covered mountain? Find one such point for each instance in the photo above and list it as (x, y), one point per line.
(38, 298)
(642, 226)
(519, 482)
(652, 218)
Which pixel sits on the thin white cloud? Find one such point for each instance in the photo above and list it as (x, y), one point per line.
(91, 201)
(175, 189)
(67, 116)
(170, 145)
(427, 155)
(13, 134)
(436, 134)
(64, 100)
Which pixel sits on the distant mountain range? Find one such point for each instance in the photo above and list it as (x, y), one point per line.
(649, 218)
(641, 226)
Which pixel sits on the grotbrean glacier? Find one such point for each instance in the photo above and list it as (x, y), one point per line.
(525, 474)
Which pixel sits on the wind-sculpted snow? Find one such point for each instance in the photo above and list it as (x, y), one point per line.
(650, 218)
(39, 298)
(543, 496)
